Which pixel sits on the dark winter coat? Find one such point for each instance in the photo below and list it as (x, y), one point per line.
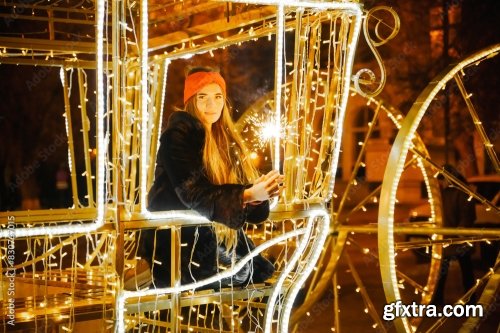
(180, 184)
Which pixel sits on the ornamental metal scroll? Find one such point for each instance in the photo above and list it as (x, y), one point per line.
(366, 76)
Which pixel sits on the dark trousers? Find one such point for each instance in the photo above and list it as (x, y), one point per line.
(465, 261)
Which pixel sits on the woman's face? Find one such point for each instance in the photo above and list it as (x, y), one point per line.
(210, 102)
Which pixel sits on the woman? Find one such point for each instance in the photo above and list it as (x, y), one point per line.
(202, 165)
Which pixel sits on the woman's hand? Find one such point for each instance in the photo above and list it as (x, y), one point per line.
(264, 187)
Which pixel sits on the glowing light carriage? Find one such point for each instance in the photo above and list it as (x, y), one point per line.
(133, 46)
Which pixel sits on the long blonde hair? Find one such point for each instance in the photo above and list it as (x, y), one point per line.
(222, 167)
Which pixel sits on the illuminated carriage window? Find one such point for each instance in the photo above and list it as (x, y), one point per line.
(250, 94)
(56, 176)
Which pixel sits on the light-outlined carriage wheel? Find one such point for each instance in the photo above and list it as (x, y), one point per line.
(404, 148)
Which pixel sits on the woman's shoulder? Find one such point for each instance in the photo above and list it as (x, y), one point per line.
(183, 126)
(183, 118)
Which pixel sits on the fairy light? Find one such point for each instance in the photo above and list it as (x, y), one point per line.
(392, 176)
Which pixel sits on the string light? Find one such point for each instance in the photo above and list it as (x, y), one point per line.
(144, 65)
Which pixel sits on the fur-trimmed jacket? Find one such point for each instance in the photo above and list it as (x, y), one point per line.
(180, 184)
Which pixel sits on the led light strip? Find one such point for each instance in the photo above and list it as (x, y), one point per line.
(271, 303)
(311, 263)
(430, 195)
(339, 124)
(101, 148)
(146, 158)
(124, 295)
(289, 299)
(62, 77)
(278, 80)
(144, 104)
(304, 4)
(166, 65)
(280, 32)
(173, 214)
(434, 265)
(392, 175)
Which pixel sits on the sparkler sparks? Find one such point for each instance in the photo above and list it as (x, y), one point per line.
(260, 131)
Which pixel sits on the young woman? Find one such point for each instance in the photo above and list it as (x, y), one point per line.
(202, 165)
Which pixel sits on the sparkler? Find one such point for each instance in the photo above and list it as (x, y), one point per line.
(260, 131)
